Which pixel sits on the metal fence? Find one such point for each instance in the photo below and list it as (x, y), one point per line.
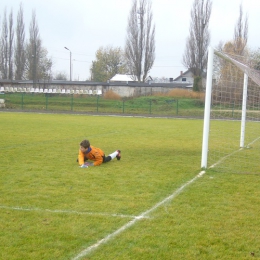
(151, 105)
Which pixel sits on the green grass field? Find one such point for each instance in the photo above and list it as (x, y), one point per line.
(152, 204)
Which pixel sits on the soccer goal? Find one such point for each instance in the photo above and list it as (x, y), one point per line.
(231, 131)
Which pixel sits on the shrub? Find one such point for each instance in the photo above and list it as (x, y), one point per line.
(111, 95)
(184, 93)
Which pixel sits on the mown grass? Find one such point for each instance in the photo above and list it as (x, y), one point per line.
(52, 209)
(189, 105)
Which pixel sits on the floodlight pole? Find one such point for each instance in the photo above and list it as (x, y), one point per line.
(70, 62)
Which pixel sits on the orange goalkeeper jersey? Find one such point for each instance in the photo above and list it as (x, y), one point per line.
(93, 153)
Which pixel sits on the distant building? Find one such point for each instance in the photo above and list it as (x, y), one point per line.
(123, 89)
(159, 80)
(186, 77)
(122, 78)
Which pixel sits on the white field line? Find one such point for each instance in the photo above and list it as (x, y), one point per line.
(254, 141)
(68, 212)
(132, 222)
(240, 149)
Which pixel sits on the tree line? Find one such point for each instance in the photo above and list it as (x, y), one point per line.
(22, 58)
(138, 56)
(26, 58)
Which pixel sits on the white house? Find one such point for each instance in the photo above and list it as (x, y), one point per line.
(122, 78)
(188, 77)
(185, 77)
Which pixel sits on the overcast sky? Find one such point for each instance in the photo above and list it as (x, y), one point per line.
(85, 25)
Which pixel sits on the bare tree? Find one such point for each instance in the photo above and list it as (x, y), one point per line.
(4, 48)
(61, 75)
(236, 47)
(38, 66)
(7, 38)
(19, 56)
(45, 65)
(241, 33)
(10, 46)
(195, 55)
(140, 41)
(255, 56)
(32, 49)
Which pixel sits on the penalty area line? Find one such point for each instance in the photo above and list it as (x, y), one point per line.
(68, 212)
(145, 214)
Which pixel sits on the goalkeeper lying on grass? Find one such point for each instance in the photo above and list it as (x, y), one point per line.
(87, 151)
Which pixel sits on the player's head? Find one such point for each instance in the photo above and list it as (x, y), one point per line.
(85, 144)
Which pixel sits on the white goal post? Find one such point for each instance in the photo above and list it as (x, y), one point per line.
(231, 101)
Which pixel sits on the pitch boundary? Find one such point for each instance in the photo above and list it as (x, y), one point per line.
(145, 214)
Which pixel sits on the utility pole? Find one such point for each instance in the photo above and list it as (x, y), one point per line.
(70, 62)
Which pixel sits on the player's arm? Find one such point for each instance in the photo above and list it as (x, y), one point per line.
(80, 158)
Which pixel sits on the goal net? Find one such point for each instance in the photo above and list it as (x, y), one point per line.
(231, 133)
